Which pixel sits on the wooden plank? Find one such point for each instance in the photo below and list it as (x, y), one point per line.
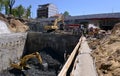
(70, 59)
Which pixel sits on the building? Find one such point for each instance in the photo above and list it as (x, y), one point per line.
(46, 10)
(105, 21)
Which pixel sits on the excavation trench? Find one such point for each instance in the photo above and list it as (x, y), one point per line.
(51, 66)
(51, 47)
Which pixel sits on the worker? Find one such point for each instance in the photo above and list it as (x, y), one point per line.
(65, 56)
(81, 28)
(91, 32)
(96, 30)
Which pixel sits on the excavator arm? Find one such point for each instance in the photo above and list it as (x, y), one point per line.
(55, 24)
(22, 64)
(61, 18)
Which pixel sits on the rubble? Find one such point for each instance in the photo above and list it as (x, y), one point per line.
(106, 53)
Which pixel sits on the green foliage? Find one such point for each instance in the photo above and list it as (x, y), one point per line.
(20, 11)
(15, 12)
(66, 13)
(28, 12)
(6, 5)
(1, 5)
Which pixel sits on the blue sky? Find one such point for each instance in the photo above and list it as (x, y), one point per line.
(75, 7)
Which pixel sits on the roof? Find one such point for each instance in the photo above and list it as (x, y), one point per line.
(96, 16)
(90, 17)
(44, 4)
(56, 15)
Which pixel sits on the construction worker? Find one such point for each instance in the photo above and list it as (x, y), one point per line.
(65, 56)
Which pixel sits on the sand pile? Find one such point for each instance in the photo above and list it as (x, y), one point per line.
(107, 53)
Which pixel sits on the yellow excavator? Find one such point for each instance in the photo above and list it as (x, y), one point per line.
(22, 64)
(54, 26)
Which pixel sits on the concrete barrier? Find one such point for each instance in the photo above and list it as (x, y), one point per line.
(11, 48)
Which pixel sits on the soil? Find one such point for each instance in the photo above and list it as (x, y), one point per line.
(106, 53)
(15, 25)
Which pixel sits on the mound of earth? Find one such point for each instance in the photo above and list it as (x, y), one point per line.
(116, 29)
(106, 53)
(15, 25)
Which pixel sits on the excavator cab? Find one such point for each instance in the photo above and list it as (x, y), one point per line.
(54, 26)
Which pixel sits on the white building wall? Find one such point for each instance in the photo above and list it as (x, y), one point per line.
(52, 10)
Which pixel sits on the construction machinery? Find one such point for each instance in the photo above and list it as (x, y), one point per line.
(23, 61)
(54, 26)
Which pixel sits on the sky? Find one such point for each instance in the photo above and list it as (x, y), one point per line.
(74, 7)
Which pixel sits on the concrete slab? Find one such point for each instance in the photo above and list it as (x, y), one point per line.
(84, 65)
(84, 46)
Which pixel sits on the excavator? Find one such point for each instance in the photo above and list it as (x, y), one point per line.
(54, 26)
(22, 64)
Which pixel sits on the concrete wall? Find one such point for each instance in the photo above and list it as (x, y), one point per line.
(59, 43)
(11, 48)
(35, 26)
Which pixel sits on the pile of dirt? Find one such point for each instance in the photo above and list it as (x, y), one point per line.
(116, 29)
(106, 53)
(15, 25)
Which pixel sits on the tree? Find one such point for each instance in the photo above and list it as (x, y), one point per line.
(1, 5)
(28, 12)
(66, 13)
(20, 11)
(15, 12)
(11, 3)
(6, 5)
